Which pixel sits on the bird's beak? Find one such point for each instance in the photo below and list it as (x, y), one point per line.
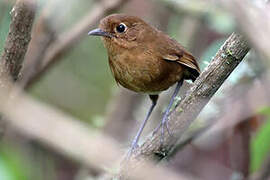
(99, 32)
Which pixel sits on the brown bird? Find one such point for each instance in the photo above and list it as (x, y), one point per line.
(145, 60)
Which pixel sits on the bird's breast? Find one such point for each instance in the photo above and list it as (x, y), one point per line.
(143, 72)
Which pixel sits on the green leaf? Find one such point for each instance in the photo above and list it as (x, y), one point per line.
(12, 166)
(260, 144)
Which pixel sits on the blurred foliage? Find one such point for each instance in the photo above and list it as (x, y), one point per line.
(12, 166)
(260, 144)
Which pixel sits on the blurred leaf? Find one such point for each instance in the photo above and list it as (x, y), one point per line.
(5, 173)
(265, 111)
(11, 165)
(260, 144)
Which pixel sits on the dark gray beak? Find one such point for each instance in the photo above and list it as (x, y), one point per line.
(99, 32)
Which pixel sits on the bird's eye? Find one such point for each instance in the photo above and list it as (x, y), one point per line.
(121, 28)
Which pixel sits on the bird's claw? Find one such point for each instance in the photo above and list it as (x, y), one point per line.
(163, 125)
(132, 149)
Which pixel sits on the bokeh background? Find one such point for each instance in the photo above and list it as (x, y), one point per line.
(81, 85)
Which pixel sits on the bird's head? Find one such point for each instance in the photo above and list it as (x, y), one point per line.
(122, 31)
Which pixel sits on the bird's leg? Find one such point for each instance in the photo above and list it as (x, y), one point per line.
(134, 145)
(164, 122)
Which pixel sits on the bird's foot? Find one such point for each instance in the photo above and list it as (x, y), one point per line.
(131, 150)
(163, 125)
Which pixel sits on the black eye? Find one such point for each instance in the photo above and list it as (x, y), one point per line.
(121, 28)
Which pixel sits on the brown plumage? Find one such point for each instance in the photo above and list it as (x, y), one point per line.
(145, 60)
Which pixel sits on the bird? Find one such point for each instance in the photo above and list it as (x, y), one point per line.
(145, 60)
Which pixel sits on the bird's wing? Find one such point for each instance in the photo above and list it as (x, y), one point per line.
(173, 51)
(184, 59)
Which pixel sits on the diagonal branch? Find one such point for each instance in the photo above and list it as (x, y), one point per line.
(225, 61)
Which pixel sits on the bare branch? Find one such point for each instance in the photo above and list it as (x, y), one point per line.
(18, 38)
(227, 58)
